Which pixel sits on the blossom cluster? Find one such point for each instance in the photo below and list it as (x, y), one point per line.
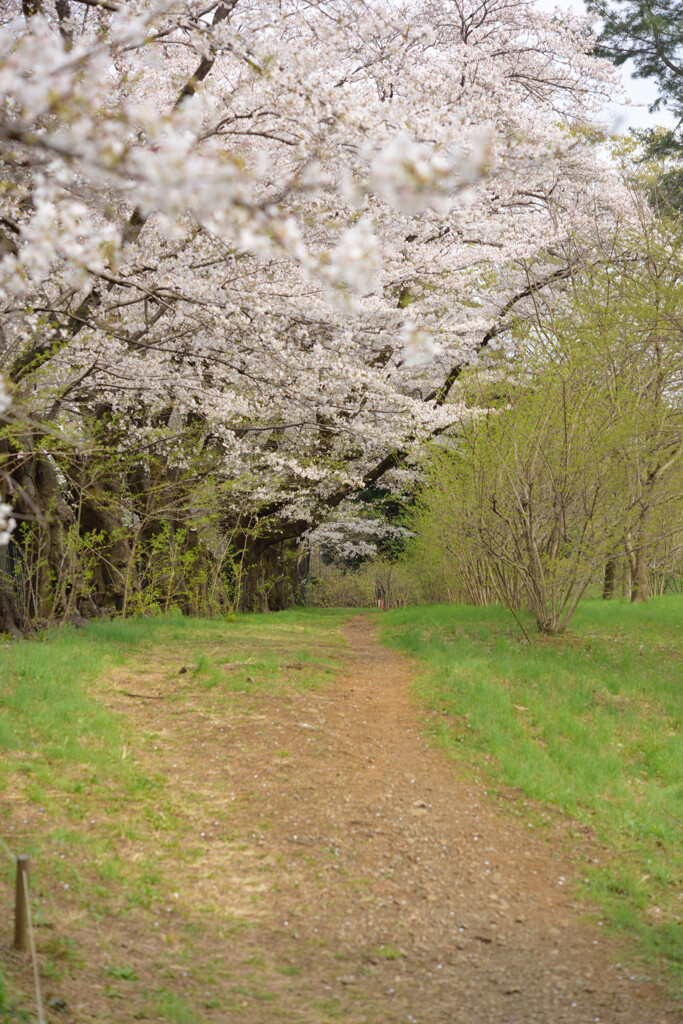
(290, 224)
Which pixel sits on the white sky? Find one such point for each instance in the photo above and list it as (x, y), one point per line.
(639, 90)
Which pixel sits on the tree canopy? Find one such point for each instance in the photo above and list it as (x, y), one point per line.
(248, 249)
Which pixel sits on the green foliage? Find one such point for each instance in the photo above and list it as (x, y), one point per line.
(588, 723)
(650, 168)
(526, 503)
(650, 34)
(374, 580)
(575, 455)
(337, 587)
(115, 531)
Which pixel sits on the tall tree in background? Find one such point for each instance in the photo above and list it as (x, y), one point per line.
(651, 35)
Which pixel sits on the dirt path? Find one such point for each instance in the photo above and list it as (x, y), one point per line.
(378, 887)
(473, 914)
(316, 861)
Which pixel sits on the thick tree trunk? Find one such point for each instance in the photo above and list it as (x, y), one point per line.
(10, 619)
(100, 516)
(609, 588)
(271, 579)
(625, 578)
(640, 589)
(252, 597)
(41, 547)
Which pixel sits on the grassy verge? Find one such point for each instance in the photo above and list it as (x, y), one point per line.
(49, 715)
(112, 823)
(588, 724)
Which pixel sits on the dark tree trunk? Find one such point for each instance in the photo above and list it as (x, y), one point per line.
(609, 589)
(102, 516)
(41, 546)
(10, 619)
(270, 580)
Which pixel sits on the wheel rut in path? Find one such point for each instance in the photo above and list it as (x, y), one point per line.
(473, 912)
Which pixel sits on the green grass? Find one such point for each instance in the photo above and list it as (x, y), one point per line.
(10, 1010)
(588, 723)
(46, 707)
(78, 781)
(175, 1009)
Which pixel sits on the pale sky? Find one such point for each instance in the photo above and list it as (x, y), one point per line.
(638, 90)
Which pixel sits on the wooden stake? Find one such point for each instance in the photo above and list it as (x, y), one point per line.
(21, 903)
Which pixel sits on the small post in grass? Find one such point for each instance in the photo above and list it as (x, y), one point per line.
(21, 903)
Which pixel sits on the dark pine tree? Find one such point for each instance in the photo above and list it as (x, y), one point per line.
(650, 33)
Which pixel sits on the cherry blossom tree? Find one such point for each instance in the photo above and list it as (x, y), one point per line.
(248, 248)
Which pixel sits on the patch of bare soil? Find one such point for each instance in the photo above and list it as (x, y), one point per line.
(340, 870)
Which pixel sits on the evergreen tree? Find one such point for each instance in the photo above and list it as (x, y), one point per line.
(651, 35)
